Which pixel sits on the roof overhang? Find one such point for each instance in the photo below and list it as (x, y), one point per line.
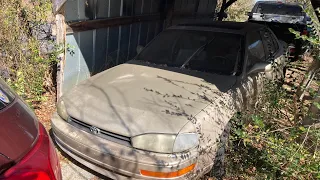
(57, 5)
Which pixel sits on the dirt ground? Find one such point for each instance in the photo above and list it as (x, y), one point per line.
(45, 110)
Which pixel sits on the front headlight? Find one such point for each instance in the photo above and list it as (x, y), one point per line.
(185, 141)
(61, 110)
(165, 143)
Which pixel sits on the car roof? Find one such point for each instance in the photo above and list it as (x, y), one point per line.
(241, 28)
(277, 3)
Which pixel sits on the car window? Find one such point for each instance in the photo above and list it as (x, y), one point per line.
(255, 49)
(174, 47)
(280, 9)
(270, 43)
(220, 56)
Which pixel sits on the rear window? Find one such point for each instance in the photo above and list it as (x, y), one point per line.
(281, 9)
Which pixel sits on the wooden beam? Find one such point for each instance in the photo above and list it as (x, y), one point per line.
(110, 22)
(60, 31)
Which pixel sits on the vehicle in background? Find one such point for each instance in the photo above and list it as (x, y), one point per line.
(164, 114)
(279, 17)
(26, 150)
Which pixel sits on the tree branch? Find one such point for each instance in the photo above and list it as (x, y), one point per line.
(224, 6)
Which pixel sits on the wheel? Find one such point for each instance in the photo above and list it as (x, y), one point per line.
(219, 170)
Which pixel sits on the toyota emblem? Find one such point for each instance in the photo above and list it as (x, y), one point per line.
(95, 130)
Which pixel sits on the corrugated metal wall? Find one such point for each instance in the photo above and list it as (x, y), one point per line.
(90, 52)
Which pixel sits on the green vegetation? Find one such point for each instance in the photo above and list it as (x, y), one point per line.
(270, 143)
(22, 65)
(277, 139)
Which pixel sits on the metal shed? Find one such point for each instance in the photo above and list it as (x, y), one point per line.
(99, 34)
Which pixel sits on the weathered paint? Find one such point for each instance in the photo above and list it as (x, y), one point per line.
(61, 39)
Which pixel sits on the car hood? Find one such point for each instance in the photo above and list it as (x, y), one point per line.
(278, 18)
(137, 98)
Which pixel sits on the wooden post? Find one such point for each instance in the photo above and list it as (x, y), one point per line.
(61, 41)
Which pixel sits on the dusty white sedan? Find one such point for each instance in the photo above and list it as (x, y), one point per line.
(164, 114)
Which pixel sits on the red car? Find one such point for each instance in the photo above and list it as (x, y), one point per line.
(26, 149)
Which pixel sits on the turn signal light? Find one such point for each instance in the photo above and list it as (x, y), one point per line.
(168, 174)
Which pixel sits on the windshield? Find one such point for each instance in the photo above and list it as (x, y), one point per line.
(280, 9)
(213, 52)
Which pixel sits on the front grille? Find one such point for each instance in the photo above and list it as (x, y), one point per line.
(100, 133)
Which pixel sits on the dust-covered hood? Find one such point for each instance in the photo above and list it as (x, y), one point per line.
(132, 99)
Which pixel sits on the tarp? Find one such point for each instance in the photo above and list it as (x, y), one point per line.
(57, 4)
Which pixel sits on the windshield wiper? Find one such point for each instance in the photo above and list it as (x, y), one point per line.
(200, 49)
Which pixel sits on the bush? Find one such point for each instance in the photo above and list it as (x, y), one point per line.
(268, 143)
(273, 141)
(22, 64)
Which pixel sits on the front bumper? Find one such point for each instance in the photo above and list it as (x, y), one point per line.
(115, 160)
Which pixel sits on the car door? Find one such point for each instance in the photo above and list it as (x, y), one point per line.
(274, 54)
(251, 84)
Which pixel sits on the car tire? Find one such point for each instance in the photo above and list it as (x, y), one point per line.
(219, 169)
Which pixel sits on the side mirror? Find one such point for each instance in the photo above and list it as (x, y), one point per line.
(139, 49)
(261, 67)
